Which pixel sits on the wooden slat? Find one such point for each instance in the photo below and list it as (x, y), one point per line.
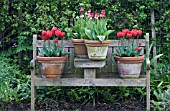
(71, 60)
(66, 65)
(115, 42)
(109, 58)
(114, 63)
(68, 43)
(87, 63)
(89, 82)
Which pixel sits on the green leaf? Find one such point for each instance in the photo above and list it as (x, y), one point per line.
(88, 33)
(107, 33)
(156, 57)
(101, 38)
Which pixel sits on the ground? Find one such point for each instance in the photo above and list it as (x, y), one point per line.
(55, 106)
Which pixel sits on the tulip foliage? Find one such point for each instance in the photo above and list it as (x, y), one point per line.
(133, 48)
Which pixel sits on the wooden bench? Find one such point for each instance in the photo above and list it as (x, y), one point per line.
(89, 73)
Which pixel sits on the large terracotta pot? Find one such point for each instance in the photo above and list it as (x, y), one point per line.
(52, 67)
(80, 48)
(96, 49)
(129, 67)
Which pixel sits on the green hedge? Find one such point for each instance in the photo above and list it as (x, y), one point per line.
(19, 19)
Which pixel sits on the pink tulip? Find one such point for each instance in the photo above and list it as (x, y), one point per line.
(97, 15)
(81, 9)
(81, 15)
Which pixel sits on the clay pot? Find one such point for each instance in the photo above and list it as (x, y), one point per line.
(52, 67)
(129, 67)
(96, 49)
(80, 48)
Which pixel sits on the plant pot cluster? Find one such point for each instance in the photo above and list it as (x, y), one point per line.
(92, 49)
(91, 42)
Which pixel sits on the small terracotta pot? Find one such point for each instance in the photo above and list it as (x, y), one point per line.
(96, 49)
(129, 67)
(80, 48)
(51, 67)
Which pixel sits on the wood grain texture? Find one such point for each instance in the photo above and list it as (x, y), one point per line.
(87, 63)
(72, 60)
(89, 82)
(89, 73)
(68, 43)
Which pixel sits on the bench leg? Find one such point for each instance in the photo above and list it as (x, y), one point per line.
(89, 73)
(33, 95)
(148, 91)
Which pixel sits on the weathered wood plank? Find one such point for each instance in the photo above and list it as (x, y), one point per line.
(72, 60)
(68, 43)
(89, 73)
(109, 58)
(66, 65)
(87, 63)
(89, 82)
(34, 47)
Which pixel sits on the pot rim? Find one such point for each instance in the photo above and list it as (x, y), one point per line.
(77, 40)
(96, 43)
(62, 58)
(136, 59)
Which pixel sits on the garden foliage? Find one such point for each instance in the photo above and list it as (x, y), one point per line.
(20, 19)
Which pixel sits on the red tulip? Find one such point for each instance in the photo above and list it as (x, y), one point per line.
(59, 45)
(125, 31)
(57, 33)
(49, 34)
(55, 41)
(62, 34)
(139, 43)
(137, 48)
(54, 29)
(139, 32)
(134, 32)
(44, 35)
(129, 35)
(120, 34)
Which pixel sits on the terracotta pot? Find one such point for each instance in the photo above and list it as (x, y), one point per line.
(96, 49)
(129, 67)
(51, 67)
(80, 48)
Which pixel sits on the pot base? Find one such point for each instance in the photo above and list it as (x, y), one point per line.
(52, 75)
(129, 76)
(81, 56)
